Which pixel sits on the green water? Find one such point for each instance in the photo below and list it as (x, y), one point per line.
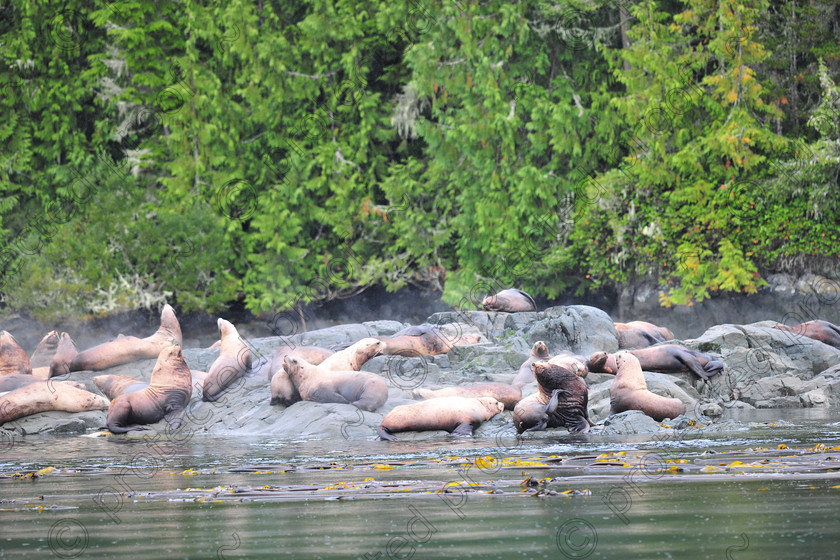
(214, 498)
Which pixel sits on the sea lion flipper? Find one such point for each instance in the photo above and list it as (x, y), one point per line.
(464, 429)
(555, 398)
(384, 434)
(175, 417)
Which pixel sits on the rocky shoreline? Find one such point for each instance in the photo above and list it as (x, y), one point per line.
(764, 368)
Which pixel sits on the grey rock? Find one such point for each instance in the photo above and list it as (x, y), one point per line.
(712, 410)
(815, 399)
(631, 422)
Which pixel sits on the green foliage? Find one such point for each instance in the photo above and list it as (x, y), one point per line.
(281, 154)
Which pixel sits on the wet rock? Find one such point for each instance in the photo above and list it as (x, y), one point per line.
(57, 422)
(779, 402)
(631, 422)
(712, 410)
(815, 399)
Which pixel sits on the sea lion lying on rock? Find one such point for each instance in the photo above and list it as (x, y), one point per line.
(43, 396)
(506, 394)
(629, 392)
(115, 385)
(667, 358)
(539, 352)
(573, 362)
(509, 301)
(459, 416)
(126, 349)
(562, 400)
(422, 340)
(17, 380)
(352, 358)
(233, 362)
(166, 396)
(640, 334)
(365, 390)
(12, 357)
(825, 332)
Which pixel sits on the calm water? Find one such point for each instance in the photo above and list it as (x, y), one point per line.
(732, 495)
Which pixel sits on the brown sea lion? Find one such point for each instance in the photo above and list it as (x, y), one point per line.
(365, 390)
(509, 301)
(459, 416)
(128, 349)
(352, 358)
(502, 392)
(233, 362)
(562, 400)
(825, 332)
(64, 356)
(539, 352)
(641, 334)
(421, 340)
(667, 358)
(43, 353)
(12, 357)
(283, 391)
(115, 385)
(43, 396)
(629, 392)
(166, 396)
(573, 362)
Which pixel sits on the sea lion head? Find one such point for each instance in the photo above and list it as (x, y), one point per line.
(529, 415)
(539, 349)
(492, 404)
(597, 361)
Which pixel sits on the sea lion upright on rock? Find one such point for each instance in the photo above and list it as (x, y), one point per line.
(629, 392)
(12, 357)
(562, 400)
(233, 362)
(44, 396)
(64, 356)
(43, 353)
(825, 332)
(666, 358)
(365, 390)
(509, 301)
(459, 416)
(539, 352)
(166, 396)
(126, 349)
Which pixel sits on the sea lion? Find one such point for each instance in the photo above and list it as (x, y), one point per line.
(64, 356)
(12, 357)
(233, 362)
(43, 396)
(283, 391)
(459, 416)
(562, 400)
(539, 352)
(502, 392)
(573, 362)
(629, 392)
(509, 301)
(825, 332)
(115, 385)
(641, 334)
(166, 396)
(17, 380)
(126, 349)
(667, 358)
(352, 358)
(365, 390)
(421, 340)
(43, 353)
